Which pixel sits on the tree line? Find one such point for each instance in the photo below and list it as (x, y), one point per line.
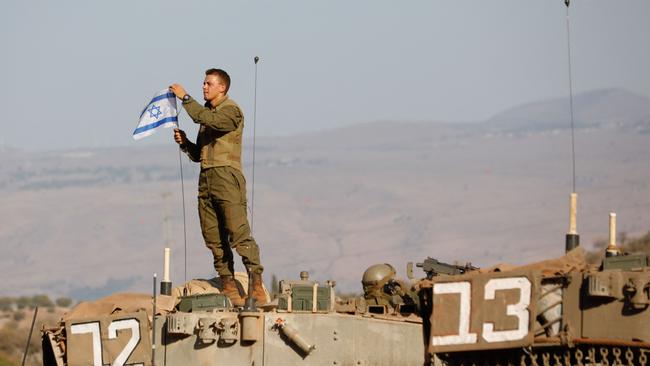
(8, 303)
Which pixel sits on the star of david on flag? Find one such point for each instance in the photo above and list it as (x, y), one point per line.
(160, 112)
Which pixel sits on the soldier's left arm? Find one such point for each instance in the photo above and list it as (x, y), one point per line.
(223, 119)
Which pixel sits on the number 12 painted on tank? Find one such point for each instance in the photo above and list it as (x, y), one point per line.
(109, 340)
(481, 311)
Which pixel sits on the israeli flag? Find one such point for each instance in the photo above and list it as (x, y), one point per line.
(160, 112)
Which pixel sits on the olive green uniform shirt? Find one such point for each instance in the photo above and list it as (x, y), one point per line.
(220, 136)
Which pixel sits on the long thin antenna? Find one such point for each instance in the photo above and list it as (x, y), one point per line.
(29, 337)
(572, 239)
(256, 60)
(568, 42)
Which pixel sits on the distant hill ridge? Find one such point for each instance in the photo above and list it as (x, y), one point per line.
(598, 108)
(604, 108)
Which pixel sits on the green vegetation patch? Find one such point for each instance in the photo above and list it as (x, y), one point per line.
(4, 361)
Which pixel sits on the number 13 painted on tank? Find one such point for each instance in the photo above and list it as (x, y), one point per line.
(482, 311)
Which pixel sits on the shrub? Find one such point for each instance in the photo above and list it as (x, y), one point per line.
(41, 301)
(64, 302)
(6, 303)
(23, 302)
(19, 315)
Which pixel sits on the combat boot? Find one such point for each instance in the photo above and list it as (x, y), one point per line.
(258, 291)
(229, 288)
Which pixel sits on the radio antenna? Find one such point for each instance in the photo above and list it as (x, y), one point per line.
(256, 60)
(572, 237)
(568, 42)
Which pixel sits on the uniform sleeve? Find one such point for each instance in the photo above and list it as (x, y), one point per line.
(223, 119)
(192, 150)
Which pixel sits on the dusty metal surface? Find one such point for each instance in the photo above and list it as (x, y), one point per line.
(114, 339)
(227, 336)
(573, 315)
(481, 312)
(337, 339)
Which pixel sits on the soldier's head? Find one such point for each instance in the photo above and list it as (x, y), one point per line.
(215, 84)
(376, 276)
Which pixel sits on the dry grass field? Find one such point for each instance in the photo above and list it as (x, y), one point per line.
(14, 331)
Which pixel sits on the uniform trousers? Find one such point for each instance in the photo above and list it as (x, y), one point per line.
(224, 220)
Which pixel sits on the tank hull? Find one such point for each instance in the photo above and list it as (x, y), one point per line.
(237, 338)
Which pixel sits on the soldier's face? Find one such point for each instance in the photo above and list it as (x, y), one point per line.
(213, 88)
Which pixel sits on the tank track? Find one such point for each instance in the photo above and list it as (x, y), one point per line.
(580, 355)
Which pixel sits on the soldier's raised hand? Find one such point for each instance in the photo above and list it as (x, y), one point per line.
(178, 90)
(179, 136)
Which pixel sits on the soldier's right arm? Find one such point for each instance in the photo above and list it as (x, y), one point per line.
(191, 149)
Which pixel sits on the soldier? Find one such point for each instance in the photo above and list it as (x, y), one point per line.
(222, 187)
(381, 288)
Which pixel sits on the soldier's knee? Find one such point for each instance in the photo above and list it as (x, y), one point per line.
(215, 248)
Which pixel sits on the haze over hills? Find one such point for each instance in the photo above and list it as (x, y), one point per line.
(85, 223)
(598, 108)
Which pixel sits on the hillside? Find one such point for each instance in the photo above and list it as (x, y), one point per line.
(86, 223)
(613, 108)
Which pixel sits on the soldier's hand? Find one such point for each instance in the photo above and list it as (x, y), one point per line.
(179, 136)
(178, 90)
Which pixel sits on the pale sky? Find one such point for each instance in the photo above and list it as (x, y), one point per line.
(77, 73)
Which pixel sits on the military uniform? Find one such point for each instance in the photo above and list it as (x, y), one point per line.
(222, 187)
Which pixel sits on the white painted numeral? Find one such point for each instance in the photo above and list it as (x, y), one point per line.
(92, 328)
(463, 336)
(519, 309)
(132, 324)
(489, 334)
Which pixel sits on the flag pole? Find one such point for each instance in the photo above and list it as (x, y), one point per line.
(180, 163)
(256, 60)
(153, 322)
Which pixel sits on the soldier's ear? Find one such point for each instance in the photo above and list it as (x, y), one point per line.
(222, 87)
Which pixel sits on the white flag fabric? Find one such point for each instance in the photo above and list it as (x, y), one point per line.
(160, 112)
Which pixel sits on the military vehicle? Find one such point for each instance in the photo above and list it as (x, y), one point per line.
(196, 325)
(556, 312)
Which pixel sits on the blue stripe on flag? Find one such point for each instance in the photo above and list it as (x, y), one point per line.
(155, 124)
(159, 97)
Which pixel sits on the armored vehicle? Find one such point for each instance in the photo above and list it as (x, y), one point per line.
(556, 312)
(196, 325)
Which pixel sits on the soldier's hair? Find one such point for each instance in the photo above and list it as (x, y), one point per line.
(222, 75)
